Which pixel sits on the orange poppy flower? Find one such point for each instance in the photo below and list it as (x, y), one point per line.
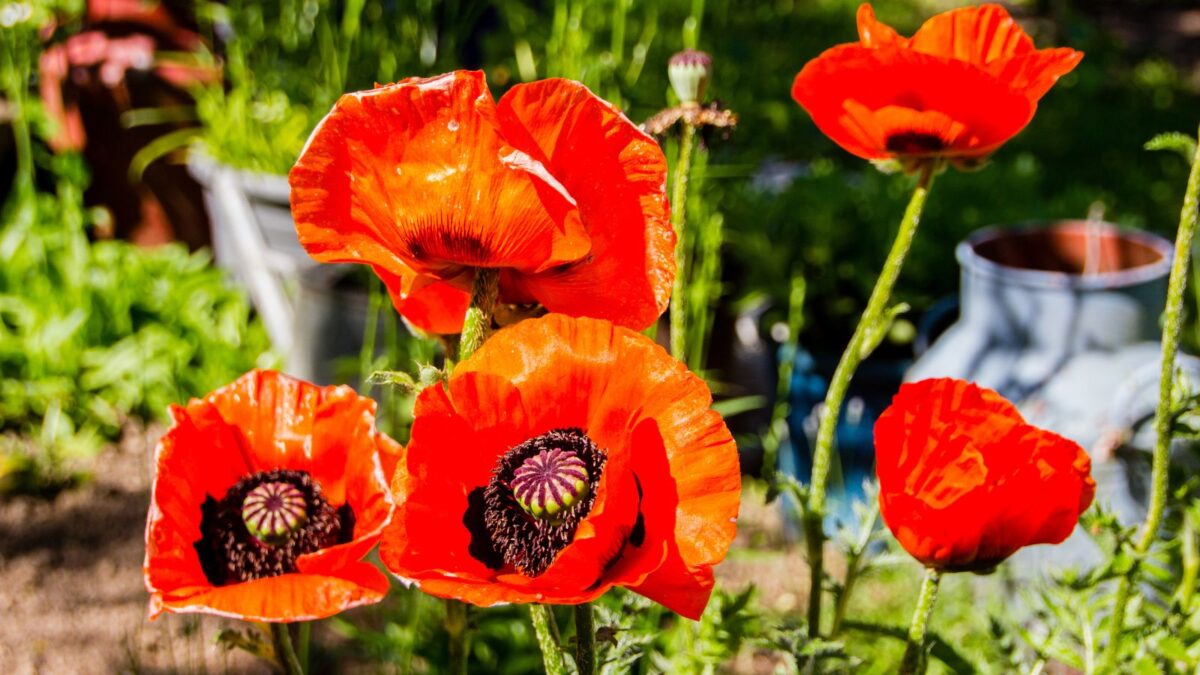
(267, 494)
(429, 179)
(963, 85)
(964, 482)
(565, 457)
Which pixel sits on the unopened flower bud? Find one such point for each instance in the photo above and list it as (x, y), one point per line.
(690, 71)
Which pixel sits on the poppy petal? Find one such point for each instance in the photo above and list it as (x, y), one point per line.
(262, 422)
(654, 419)
(1040, 457)
(679, 587)
(965, 482)
(617, 175)
(286, 598)
(429, 305)
(851, 75)
(300, 426)
(658, 568)
(977, 35)
(1036, 72)
(414, 176)
(874, 33)
(449, 456)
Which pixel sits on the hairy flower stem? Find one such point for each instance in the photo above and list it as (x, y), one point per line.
(281, 639)
(585, 639)
(1190, 553)
(854, 566)
(1163, 416)
(546, 631)
(305, 640)
(477, 326)
(865, 336)
(455, 624)
(777, 430)
(683, 166)
(914, 651)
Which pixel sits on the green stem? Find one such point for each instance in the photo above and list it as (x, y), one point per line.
(777, 430)
(585, 639)
(366, 354)
(544, 627)
(854, 567)
(456, 628)
(814, 541)
(870, 323)
(477, 326)
(683, 166)
(914, 652)
(284, 652)
(15, 67)
(305, 640)
(1172, 326)
(1190, 553)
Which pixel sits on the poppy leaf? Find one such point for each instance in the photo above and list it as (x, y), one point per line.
(1182, 143)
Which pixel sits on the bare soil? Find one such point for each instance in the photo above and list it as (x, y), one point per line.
(71, 589)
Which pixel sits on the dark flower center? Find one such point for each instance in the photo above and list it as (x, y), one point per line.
(264, 523)
(914, 143)
(441, 240)
(539, 493)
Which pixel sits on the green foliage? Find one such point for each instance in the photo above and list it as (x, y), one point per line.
(641, 636)
(1070, 623)
(405, 631)
(634, 635)
(1179, 142)
(93, 334)
(601, 43)
(387, 345)
(703, 238)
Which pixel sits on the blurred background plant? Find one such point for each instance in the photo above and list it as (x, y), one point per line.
(93, 334)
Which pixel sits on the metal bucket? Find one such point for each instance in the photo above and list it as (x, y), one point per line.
(311, 317)
(1033, 298)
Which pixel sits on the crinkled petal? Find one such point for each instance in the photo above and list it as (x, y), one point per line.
(671, 461)
(414, 176)
(965, 482)
(260, 422)
(617, 175)
(978, 35)
(285, 599)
